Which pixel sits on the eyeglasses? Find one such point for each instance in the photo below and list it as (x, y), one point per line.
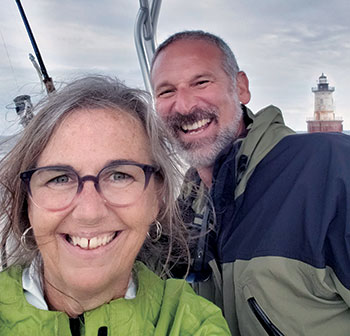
(120, 183)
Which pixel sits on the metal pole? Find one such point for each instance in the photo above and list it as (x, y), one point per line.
(46, 78)
(144, 36)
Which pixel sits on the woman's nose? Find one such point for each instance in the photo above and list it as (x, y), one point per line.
(89, 205)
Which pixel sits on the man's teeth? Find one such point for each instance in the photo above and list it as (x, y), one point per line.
(92, 243)
(196, 125)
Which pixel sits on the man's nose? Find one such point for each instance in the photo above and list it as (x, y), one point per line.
(89, 205)
(185, 101)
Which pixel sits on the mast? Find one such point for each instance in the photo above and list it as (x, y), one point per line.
(45, 76)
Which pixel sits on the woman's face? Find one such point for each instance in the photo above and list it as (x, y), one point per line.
(88, 140)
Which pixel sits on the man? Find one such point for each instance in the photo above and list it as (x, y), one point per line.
(277, 255)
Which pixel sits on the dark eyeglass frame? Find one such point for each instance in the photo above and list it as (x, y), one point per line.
(148, 170)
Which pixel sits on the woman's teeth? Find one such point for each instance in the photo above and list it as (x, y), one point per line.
(89, 244)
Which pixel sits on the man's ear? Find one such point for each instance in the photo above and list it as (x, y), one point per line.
(242, 84)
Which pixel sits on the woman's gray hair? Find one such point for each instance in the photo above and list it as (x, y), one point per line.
(229, 62)
(92, 92)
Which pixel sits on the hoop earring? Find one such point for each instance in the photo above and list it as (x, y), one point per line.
(158, 232)
(24, 239)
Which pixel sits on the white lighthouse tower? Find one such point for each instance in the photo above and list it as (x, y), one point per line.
(324, 105)
(324, 117)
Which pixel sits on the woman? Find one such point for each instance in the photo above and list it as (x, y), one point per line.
(87, 190)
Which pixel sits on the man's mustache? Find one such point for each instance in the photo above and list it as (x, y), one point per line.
(176, 120)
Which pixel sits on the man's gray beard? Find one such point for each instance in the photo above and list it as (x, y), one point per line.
(204, 152)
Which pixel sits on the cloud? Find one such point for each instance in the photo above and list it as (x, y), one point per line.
(282, 45)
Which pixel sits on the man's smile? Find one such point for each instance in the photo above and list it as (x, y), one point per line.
(196, 126)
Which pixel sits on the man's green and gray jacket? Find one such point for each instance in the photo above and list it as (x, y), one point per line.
(279, 251)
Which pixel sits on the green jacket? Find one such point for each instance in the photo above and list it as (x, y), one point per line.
(160, 308)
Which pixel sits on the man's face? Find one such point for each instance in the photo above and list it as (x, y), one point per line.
(197, 100)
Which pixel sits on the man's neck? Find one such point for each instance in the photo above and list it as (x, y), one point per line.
(206, 175)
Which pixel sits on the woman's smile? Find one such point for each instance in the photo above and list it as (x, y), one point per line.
(91, 248)
(91, 242)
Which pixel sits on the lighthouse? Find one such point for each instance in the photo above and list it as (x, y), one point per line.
(324, 119)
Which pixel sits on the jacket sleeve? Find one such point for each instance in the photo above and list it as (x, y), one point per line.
(192, 315)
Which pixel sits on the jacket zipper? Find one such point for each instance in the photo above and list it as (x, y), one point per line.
(264, 320)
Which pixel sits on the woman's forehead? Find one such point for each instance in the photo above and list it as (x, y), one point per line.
(97, 135)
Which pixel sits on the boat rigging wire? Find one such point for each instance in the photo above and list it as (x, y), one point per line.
(8, 56)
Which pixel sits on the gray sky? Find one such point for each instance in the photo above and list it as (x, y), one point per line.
(283, 46)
